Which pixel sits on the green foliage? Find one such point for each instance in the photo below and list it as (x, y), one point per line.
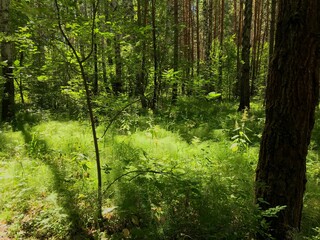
(177, 190)
(47, 191)
(213, 95)
(316, 236)
(166, 176)
(241, 140)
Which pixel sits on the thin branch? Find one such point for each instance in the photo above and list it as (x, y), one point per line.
(95, 9)
(64, 34)
(117, 115)
(139, 172)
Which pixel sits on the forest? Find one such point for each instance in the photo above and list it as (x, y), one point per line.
(160, 119)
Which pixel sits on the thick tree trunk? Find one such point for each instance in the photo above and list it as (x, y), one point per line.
(7, 108)
(291, 98)
(245, 56)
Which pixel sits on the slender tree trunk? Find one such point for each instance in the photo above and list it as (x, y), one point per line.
(117, 83)
(221, 46)
(254, 44)
(239, 39)
(104, 66)
(95, 64)
(19, 82)
(208, 32)
(191, 47)
(245, 56)
(155, 58)
(175, 50)
(272, 27)
(260, 47)
(7, 104)
(84, 75)
(188, 48)
(291, 98)
(198, 37)
(141, 75)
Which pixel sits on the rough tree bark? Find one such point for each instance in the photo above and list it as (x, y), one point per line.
(245, 56)
(291, 98)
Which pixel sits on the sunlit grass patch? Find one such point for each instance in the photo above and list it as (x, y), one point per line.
(162, 181)
(196, 185)
(66, 137)
(11, 145)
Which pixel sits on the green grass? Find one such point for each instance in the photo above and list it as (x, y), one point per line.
(187, 173)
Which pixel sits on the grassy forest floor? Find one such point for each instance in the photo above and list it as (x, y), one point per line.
(185, 173)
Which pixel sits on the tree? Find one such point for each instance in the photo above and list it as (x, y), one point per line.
(272, 27)
(198, 36)
(291, 98)
(80, 61)
(7, 107)
(221, 45)
(175, 49)
(141, 78)
(245, 56)
(155, 57)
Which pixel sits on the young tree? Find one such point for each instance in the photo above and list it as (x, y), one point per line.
(7, 107)
(80, 61)
(291, 98)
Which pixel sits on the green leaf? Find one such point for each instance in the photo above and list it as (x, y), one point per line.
(213, 95)
(272, 212)
(42, 78)
(234, 147)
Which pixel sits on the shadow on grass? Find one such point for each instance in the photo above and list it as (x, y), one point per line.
(210, 120)
(37, 148)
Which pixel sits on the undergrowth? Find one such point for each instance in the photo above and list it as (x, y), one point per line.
(185, 173)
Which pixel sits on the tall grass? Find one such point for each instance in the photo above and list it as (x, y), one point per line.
(171, 176)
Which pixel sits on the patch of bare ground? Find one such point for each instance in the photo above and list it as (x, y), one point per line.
(4, 231)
